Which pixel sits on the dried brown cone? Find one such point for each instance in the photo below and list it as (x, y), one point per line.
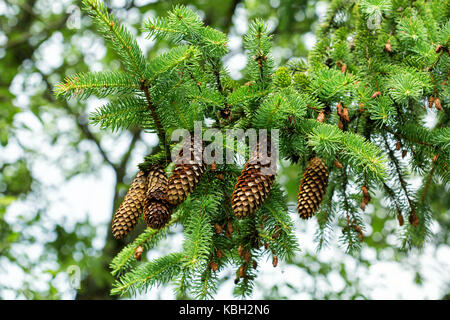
(312, 188)
(157, 210)
(185, 177)
(126, 217)
(251, 189)
(157, 214)
(157, 184)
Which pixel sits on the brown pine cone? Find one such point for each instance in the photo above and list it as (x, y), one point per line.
(126, 217)
(157, 184)
(157, 214)
(251, 188)
(312, 188)
(186, 175)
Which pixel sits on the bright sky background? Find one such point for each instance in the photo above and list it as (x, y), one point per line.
(90, 196)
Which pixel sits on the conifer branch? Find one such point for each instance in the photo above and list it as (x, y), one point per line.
(159, 127)
(123, 42)
(102, 84)
(402, 181)
(147, 240)
(427, 183)
(377, 93)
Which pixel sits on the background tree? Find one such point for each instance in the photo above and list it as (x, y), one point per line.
(26, 38)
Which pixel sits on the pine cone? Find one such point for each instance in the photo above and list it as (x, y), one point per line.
(126, 217)
(157, 184)
(312, 188)
(157, 210)
(157, 214)
(185, 176)
(251, 188)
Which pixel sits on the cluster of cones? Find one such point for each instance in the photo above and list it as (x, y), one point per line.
(155, 195)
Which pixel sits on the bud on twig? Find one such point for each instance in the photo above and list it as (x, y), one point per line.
(359, 230)
(365, 191)
(400, 219)
(240, 250)
(277, 232)
(337, 164)
(321, 116)
(413, 219)
(430, 102)
(387, 46)
(339, 109)
(214, 266)
(242, 271)
(219, 254)
(376, 94)
(345, 114)
(219, 228)
(274, 261)
(247, 256)
(230, 227)
(437, 103)
(138, 253)
(361, 107)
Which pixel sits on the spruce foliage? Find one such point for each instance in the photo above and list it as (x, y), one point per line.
(378, 71)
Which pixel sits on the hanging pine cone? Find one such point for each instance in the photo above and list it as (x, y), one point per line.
(126, 217)
(157, 210)
(251, 188)
(312, 188)
(157, 184)
(186, 175)
(157, 214)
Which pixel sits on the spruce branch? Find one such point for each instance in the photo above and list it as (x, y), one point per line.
(371, 82)
(124, 113)
(427, 183)
(401, 179)
(179, 57)
(258, 43)
(148, 239)
(101, 84)
(157, 272)
(122, 40)
(360, 154)
(159, 127)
